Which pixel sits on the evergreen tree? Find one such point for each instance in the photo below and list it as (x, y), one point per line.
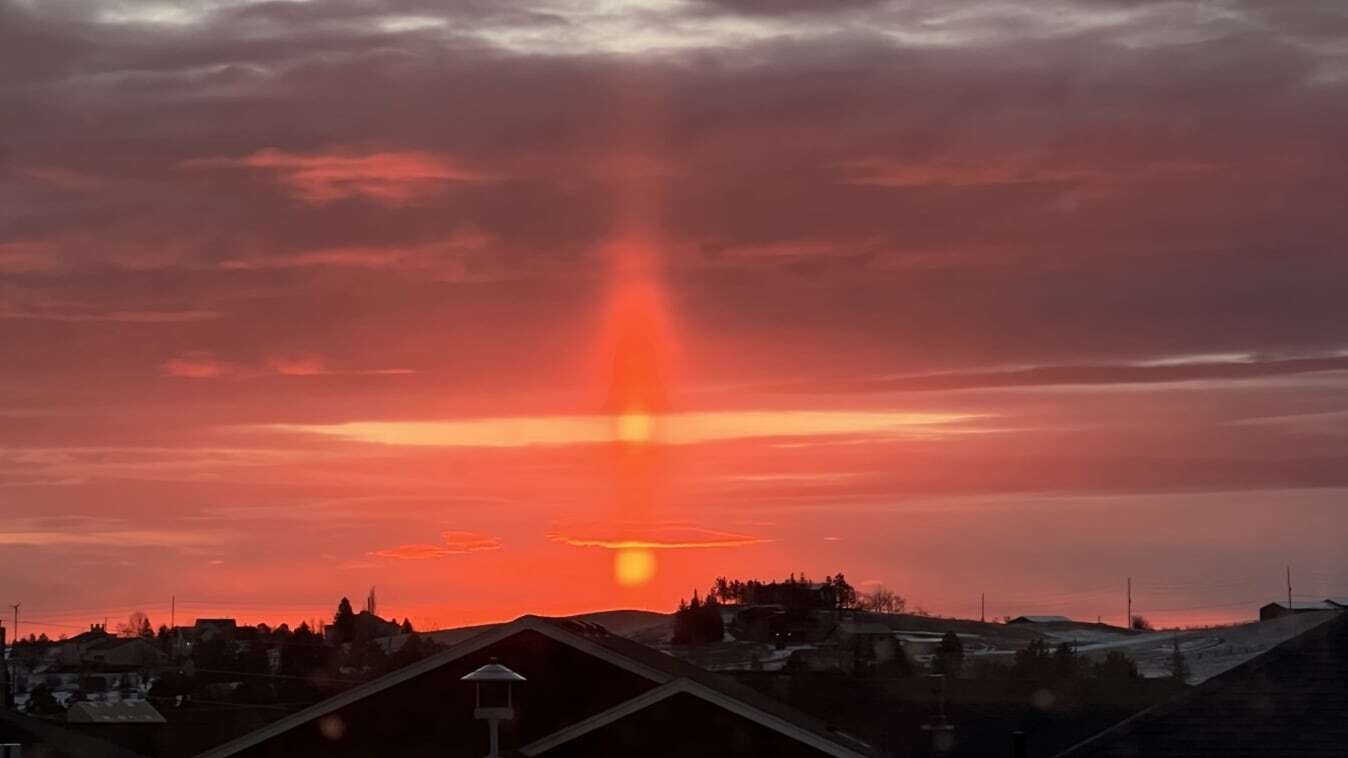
(344, 622)
(949, 658)
(1065, 663)
(1179, 667)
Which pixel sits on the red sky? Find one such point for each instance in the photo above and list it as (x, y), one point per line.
(298, 298)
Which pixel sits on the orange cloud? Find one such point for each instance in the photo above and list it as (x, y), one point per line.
(469, 542)
(391, 177)
(455, 543)
(308, 365)
(649, 537)
(413, 552)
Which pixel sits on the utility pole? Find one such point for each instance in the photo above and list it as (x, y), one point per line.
(1128, 624)
(15, 606)
(173, 612)
(982, 607)
(1289, 590)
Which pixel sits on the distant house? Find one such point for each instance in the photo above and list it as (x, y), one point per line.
(1039, 620)
(870, 639)
(1281, 608)
(223, 628)
(125, 652)
(795, 595)
(71, 651)
(586, 692)
(772, 624)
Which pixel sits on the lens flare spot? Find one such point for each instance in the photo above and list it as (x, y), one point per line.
(635, 426)
(633, 566)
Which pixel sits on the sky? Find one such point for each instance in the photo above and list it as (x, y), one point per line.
(508, 306)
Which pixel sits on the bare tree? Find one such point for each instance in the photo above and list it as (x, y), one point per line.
(882, 600)
(136, 625)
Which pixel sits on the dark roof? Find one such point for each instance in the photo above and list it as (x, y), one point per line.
(1289, 701)
(652, 665)
(1305, 605)
(112, 643)
(120, 712)
(92, 634)
(58, 741)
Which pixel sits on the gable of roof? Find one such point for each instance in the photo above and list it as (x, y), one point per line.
(826, 745)
(467, 647)
(594, 640)
(1040, 619)
(1288, 701)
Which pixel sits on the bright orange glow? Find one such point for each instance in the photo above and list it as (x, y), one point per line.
(633, 567)
(635, 427)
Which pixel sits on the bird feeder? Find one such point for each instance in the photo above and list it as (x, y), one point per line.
(492, 698)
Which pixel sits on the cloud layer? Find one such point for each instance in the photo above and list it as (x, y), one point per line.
(909, 254)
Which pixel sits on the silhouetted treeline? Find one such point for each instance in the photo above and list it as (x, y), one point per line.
(697, 622)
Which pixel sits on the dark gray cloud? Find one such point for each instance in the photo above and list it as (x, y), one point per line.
(1112, 180)
(1201, 369)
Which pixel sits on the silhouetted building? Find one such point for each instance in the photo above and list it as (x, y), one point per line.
(223, 628)
(795, 595)
(586, 693)
(1040, 620)
(1279, 609)
(128, 652)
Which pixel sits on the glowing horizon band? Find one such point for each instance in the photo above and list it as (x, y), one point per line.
(670, 429)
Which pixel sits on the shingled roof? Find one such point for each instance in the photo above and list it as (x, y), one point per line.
(1290, 701)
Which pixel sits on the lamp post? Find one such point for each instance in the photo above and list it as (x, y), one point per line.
(494, 678)
(939, 727)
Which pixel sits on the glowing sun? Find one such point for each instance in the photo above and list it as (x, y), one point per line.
(633, 566)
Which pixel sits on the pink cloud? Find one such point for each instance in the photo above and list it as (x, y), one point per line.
(649, 536)
(392, 177)
(455, 543)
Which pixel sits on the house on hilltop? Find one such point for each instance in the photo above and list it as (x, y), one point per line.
(1040, 620)
(1281, 608)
